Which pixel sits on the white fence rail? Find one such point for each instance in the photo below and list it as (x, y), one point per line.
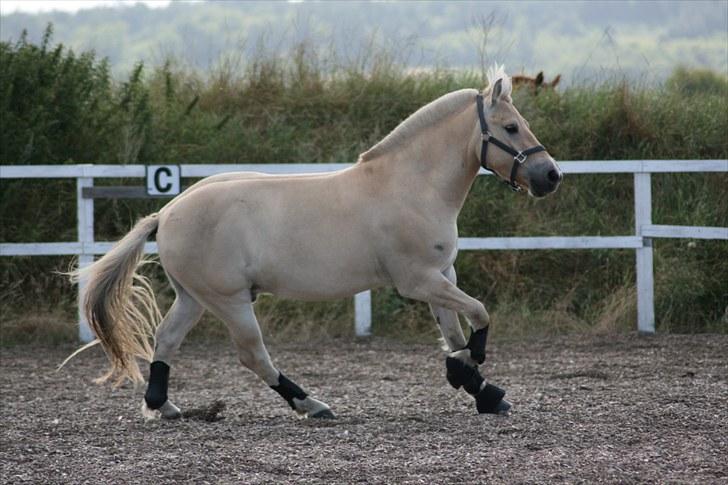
(641, 241)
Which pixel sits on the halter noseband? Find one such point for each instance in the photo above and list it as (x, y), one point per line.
(519, 158)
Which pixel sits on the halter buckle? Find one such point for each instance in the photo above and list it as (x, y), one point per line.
(486, 136)
(520, 158)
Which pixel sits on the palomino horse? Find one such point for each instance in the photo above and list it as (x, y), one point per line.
(390, 219)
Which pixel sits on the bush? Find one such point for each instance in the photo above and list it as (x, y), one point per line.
(59, 107)
(698, 82)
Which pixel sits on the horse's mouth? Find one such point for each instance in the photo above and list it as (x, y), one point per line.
(541, 192)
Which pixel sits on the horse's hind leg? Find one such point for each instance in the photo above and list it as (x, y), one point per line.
(245, 332)
(183, 315)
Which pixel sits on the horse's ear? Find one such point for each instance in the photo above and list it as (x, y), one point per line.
(555, 81)
(496, 91)
(539, 78)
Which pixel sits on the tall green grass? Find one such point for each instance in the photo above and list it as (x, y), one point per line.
(61, 107)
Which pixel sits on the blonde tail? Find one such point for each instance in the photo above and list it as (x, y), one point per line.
(119, 304)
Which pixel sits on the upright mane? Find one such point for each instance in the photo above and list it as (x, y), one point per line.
(496, 72)
(428, 115)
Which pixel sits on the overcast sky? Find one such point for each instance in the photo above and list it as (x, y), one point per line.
(34, 6)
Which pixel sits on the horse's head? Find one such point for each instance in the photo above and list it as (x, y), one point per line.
(535, 83)
(509, 148)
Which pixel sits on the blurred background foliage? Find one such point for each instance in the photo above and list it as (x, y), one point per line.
(61, 107)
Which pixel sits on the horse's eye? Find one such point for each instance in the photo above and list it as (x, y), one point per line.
(512, 128)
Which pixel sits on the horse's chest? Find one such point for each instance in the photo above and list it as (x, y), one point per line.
(435, 244)
(444, 251)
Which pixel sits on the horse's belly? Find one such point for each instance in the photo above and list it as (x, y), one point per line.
(315, 277)
(320, 292)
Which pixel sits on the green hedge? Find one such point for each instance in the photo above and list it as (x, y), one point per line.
(60, 107)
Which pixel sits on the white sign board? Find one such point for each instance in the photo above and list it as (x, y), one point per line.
(163, 179)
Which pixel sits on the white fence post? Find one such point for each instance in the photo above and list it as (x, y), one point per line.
(85, 216)
(363, 314)
(645, 280)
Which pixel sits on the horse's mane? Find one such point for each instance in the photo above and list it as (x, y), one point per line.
(496, 72)
(427, 115)
(433, 112)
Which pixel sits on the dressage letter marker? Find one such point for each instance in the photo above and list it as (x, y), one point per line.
(163, 179)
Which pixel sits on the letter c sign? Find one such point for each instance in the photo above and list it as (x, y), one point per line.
(163, 179)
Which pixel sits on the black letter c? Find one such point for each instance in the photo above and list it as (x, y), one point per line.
(157, 183)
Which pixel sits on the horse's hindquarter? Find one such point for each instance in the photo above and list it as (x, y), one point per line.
(305, 238)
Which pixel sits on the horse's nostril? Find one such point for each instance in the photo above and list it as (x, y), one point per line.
(554, 176)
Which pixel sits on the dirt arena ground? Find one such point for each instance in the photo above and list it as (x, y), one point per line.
(586, 409)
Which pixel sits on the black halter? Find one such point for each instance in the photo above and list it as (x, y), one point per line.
(519, 158)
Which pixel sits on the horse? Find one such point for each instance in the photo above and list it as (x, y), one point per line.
(387, 220)
(535, 83)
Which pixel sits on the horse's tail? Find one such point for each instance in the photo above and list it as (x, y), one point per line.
(119, 304)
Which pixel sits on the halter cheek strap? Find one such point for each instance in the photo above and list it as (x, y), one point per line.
(519, 158)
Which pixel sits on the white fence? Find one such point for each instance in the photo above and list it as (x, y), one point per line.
(86, 247)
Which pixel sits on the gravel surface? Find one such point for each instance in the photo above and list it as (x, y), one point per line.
(586, 409)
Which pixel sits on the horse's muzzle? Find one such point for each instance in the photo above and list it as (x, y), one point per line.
(544, 178)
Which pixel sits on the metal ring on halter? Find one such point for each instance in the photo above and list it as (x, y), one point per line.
(520, 158)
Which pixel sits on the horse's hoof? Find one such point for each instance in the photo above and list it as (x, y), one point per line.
(170, 411)
(323, 414)
(490, 400)
(503, 408)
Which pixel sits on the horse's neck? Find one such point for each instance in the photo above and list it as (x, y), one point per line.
(440, 158)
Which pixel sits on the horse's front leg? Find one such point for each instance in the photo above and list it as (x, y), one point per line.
(449, 324)
(462, 369)
(446, 301)
(447, 320)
